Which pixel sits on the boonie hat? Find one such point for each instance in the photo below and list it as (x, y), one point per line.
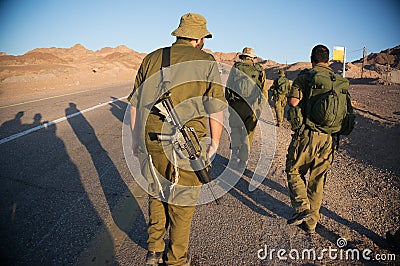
(247, 52)
(281, 72)
(192, 26)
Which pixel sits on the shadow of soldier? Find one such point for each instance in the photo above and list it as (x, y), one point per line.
(264, 201)
(128, 216)
(12, 126)
(45, 207)
(381, 137)
(257, 200)
(118, 108)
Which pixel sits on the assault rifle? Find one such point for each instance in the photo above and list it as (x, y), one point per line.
(184, 139)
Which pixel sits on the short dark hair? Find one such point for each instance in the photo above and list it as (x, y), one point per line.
(320, 54)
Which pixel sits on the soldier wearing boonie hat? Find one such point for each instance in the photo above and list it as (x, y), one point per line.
(245, 100)
(192, 26)
(177, 213)
(247, 52)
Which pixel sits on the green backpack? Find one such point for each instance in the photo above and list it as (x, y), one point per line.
(247, 80)
(329, 108)
(282, 85)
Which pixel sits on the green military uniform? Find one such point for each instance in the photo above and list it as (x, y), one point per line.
(244, 113)
(280, 88)
(308, 151)
(195, 94)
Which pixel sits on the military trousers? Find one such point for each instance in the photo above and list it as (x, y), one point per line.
(242, 122)
(309, 152)
(172, 214)
(280, 103)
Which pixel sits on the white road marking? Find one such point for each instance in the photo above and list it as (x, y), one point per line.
(45, 125)
(47, 98)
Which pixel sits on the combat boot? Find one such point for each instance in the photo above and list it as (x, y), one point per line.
(188, 260)
(300, 217)
(154, 258)
(309, 230)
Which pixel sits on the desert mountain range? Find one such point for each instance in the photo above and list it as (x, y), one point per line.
(44, 69)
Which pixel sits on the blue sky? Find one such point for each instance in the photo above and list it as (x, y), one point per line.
(283, 31)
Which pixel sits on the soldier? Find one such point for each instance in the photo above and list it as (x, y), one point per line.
(245, 89)
(175, 209)
(311, 148)
(280, 88)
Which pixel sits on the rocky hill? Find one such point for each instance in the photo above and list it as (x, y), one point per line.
(381, 58)
(45, 69)
(386, 63)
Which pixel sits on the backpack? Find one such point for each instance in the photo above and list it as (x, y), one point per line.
(282, 85)
(247, 80)
(328, 108)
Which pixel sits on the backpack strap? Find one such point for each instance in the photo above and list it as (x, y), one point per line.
(310, 76)
(166, 57)
(165, 69)
(260, 71)
(308, 91)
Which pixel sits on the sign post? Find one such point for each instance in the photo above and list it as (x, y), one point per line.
(339, 54)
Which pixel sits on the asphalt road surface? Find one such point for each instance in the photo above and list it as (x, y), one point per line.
(65, 184)
(68, 197)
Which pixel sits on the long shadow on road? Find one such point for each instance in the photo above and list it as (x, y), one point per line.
(111, 181)
(118, 108)
(47, 216)
(383, 140)
(259, 197)
(257, 200)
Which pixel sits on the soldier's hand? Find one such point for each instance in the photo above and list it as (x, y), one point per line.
(212, 150)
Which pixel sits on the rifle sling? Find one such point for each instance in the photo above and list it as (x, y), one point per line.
(166, 57)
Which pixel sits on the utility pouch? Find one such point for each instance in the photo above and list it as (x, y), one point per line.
(295, 117)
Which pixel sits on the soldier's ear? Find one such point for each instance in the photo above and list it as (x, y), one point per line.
(199, 43)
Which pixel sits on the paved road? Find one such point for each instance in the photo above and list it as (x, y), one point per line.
(66, 183)
(68, 198)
